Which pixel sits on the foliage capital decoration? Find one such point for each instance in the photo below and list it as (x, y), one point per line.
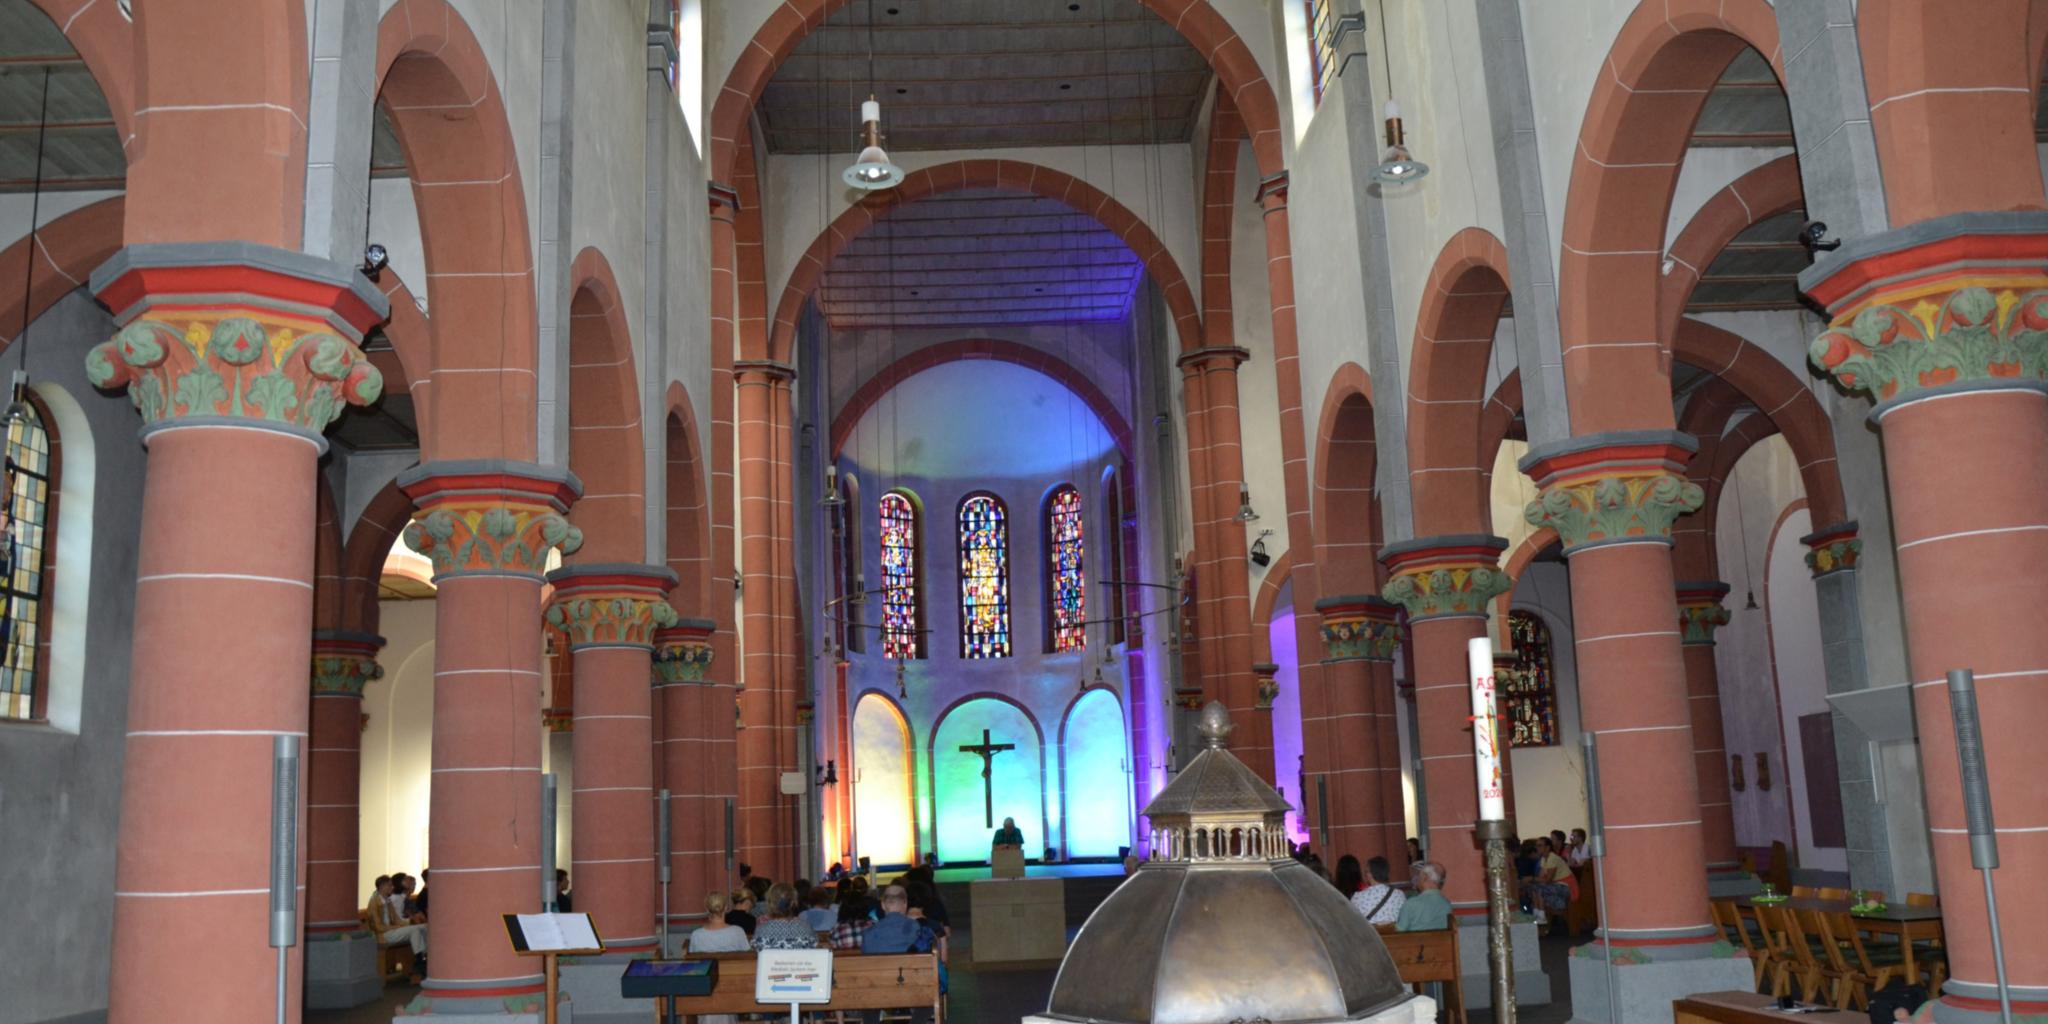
(1833, 549)
(1445, 576)
(1920, 341)
(682, 652)
(1359, 628)
(491, 536)
(1269, 687)
(344, 663)
(611, 605)
(1700, 612)
(245, 363)
(1628, 488)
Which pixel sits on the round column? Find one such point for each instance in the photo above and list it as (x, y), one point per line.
(1700, 613)
(343, 663)
(1356, 629)
(1612, 499)
(1446, 584)
(1229, 585)
(609, 613)
(690, 710)
(236, 369)
(487, 525)
(1957, 366)
(1393, 822)
(767, 700)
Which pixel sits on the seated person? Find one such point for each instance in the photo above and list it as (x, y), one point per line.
(1527, 860)
(392, 931)
(1378, 901)
(1576, 852)
(420, 902)
(1427, 910)
(854, 918)
(781, 925)
(821, 916)
(898, 932)
(742, 912)
(1551, 888)
(564, 901)
(1009, 837)
(717, 935)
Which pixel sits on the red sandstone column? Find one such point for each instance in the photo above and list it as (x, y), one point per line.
(1612, 499)
(487, 525)
(343, 663)
(1699, 614)
(1359, 632)
(1386, 704)
(236, 368)
(1201, 644)
(610, 613)
(1446, 583)
(1229, 585)
(1958, 374)
(768, 700)
(692, 708)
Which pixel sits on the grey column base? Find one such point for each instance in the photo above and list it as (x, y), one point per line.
(1732, 883)
(449, 1007)
(592, 983)
(342, 971)
(1645, 992)
(1532, 986)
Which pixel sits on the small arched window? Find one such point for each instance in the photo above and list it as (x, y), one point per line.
(1066, 590)
(902, 576)
(984, 577)
(31, 470)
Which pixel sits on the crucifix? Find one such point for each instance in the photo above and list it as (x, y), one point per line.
(987, 752)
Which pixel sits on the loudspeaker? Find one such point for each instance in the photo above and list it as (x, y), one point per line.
(1596, 829)
(547, 841)
(661, 839)
(1962, 708)
(284, 841)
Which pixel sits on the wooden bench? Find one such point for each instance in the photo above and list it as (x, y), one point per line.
(1423, 957)
(1582, 915)
(392, 961)
(880, 981)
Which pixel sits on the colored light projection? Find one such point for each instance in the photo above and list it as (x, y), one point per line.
(1096, 769)
(1287, 739)
(898, 524)
(1015, 782)
(882, 827)
(984, 577)
(1067, 593)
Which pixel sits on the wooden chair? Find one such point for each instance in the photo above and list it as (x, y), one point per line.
(1728, 917)
(1831, 893)
(1867, 972)
(1805, 892)
(1792, 957)
(1848, 985)
(1827, 955)
(1922, 899)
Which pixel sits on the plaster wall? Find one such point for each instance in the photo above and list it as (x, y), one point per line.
(1099, 352)
(1550, 782)
(60, 783)
(14, 210)
(607, 211)
(1258, 396)
(1567, 47)
(1153, 182)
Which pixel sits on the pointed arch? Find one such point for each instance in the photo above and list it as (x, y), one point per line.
(362, 556)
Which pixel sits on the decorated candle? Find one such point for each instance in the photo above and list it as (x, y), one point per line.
(1486, 725)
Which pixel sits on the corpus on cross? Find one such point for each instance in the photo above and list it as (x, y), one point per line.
(987, 751)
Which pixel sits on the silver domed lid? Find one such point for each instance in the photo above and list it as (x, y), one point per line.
(1222, 924)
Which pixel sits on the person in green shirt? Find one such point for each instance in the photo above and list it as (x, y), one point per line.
(1427, 910)
(1009, 835)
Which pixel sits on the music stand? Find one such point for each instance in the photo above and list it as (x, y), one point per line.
(550, 936)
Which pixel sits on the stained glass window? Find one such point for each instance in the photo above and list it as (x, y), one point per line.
(1067, 592)
(22, 539)
(901, 601)
(1528, 691)
(984, 577)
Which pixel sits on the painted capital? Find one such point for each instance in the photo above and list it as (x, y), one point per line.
(1613, 488)
(558, 719)
(1956, 300)
(1189, 698)
(1700, 611)
(806, 711)
(236, 330)
(489, 517)
(1834, 549)
(1269, 688)
(344, 663)
(1359, 627)
(1443, 576)
(611, 605)
(682, 652)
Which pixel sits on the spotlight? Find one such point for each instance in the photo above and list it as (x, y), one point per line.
(374, 260)
(1259, 556)
(1815, 238)
(1245, 513)
(1397, 165)
(872, 170)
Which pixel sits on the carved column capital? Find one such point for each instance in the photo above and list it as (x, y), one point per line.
(1269, 687)
(237, 331)
(1439, 577)
(1833, 549)
(605, 605)
(558, 719)
(1359, 627)
(682, 652)
(490, 517)
(1955, 303)
(344, 662)
(1615, 488)
(1700, 612)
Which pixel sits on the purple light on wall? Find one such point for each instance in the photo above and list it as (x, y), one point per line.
(1287, 710)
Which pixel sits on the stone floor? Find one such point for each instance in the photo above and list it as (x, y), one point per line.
(991, 996)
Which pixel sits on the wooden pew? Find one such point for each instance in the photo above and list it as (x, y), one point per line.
(881, 981)
(1582, 915)
(1425, 957)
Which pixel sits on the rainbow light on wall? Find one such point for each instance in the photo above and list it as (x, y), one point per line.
(963, 834)
(1098, 784)
(881, 785)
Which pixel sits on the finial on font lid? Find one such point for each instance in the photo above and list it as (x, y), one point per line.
(1215, 727)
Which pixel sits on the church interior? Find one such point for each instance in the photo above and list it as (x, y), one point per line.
(701, 444)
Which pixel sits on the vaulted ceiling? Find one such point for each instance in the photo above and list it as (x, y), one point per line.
(980, 257)
(981, 74)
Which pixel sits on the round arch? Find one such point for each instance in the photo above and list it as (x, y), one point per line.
(106, 42)
(1784, 399)
(1094, 745)
(958, 781)
(1447, 401)
(966, 174)
(605, 435)
(1662, 66)
(472, 214)
(1346, 511)
(963, 349)
(687, 522)
(1237, 73)
(882, 775)
(66, 251)
(1755, 197)
(362, 555)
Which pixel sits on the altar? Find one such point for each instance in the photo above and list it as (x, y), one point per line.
(1015, 919)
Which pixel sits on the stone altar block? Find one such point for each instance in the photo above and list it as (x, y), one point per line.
(1018, 919)
(1006, 863)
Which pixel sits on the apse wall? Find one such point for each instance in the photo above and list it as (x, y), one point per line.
(941, 435)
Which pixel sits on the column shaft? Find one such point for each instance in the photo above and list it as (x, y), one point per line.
(692, 713)
(1700, 613)
(1443, 705)
(612, 839)
(767, 744)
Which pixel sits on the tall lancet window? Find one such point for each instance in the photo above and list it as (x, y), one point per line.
(23, 539)
(902, 596)
(1066, 592)
(984, 577)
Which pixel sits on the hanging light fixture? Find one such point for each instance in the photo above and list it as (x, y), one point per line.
(1397, 165)
(831, 499)
(872, 171)
(1245, 512)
